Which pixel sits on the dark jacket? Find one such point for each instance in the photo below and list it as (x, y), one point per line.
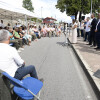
(98, 28)
(93, 25)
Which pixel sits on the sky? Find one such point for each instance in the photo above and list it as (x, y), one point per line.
(44, 8)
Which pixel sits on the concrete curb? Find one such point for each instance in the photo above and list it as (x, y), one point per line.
(95, 82)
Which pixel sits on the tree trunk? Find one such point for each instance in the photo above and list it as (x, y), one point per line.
(80, 16)
(76, 15)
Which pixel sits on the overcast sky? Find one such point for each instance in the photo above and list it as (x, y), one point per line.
(47, 6)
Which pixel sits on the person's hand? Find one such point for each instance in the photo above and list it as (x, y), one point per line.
(96, 31)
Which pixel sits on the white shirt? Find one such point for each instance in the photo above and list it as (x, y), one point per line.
(10, 60)
(82, 26)
(48, 29)
(87, 26)
(97, 24)
(2, 25)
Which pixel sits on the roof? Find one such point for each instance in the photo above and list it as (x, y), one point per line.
(50, 18)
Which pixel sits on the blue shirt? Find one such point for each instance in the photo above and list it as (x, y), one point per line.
(10, 34)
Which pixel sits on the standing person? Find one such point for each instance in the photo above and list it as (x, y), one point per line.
(98, 33)
(64, 27)
(82, 29)
(59, 30)
(74, 32)
(92, 32)
(87, 29)
(78, 28)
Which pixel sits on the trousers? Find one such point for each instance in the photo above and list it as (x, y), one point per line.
(23, 71)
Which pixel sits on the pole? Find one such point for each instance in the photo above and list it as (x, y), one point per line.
(91, 6)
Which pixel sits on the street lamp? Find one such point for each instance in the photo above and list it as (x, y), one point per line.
(91, 6)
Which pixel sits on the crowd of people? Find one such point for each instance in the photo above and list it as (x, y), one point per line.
(89, 30)
(20, 35)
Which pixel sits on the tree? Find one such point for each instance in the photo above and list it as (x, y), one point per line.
(27, 4)
(73, 7)
(96, 6)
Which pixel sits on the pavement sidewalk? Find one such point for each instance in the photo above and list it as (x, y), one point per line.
(90, 58)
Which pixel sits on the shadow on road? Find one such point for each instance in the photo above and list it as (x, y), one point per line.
(62, 44)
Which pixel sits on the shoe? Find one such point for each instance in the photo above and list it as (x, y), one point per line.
(98, 49)
(88, 44)
(21, 48)
(18, 51)
(41, 79)
(92, 46)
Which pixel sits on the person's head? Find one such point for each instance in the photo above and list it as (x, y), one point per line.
(30, 26)
(48, 26)
(2, 21)
(20, 29)
(99, 16)
(4, 36)
(6, 28)
(76, 21)
(25, 28)
(35, 26)
(43, 26)
(16, 29)
(59, 26)
(88, 18)
(8, 24)
(82, 21)
(10, 29)
(73, 21)
(93, 15)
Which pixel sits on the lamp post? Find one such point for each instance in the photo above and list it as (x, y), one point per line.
(91, 6)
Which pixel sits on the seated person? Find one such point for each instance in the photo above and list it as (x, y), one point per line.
(31, 32)
(22, 35)
(11, 62)
(36, 32)
(44, 31)
(52, 30)
(26, 35)
(12, 39)
(17, 36)
(48, 31)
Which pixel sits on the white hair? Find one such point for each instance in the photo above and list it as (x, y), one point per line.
(4, 35)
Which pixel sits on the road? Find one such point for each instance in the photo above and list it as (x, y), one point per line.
(57, 64)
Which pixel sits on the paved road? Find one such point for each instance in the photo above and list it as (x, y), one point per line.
(57, 64)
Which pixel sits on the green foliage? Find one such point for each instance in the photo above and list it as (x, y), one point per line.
(36, 20)
(27, 4)
(72, 7)
(96, 6)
